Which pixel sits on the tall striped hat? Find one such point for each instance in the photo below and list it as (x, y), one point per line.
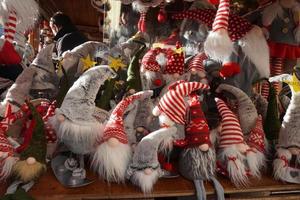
(115, 125)
(172, 103)
(10, 27)
(231, 132)
(197, 62)
(222, 16)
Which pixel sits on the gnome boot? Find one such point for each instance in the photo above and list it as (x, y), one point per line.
(200, 189)
(219, 189)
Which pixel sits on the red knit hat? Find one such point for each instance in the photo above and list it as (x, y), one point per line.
(172, 103)
(149, 61)
(231, 132)
(257, 136)
(238, 27)
(197, 62)
(115, 125)
(175, 62)
(196, 130)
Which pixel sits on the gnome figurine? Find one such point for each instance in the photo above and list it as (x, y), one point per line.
(286, 164)
(198, 158)
(75, 123)
(114, 152)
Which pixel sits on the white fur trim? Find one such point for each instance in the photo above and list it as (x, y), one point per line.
(161, 59)
(256, 162)
(145, 182)
(218, 45)
(111, 162)
(156, 111)
(255, 46)
(165, 120)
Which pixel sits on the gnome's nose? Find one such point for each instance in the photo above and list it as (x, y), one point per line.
(31, 160)
(113, 142)
(148, 171)
(204, 147)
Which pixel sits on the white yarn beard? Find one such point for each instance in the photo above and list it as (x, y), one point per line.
(280, 170)
(256, 162)
(236, 170)
(111, 162)
(145, 182)
(6, 167)
(77, 136)
(255, 39)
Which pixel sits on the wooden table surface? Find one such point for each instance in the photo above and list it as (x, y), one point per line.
(49, 188)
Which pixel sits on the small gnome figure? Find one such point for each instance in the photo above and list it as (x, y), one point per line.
(286, 165)
(281, 26)
(196, 68)
(74, 121)
(237, 159)
(114, 152)
(198, 158)
(144, 169)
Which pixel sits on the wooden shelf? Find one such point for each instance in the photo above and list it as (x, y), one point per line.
(49, 188)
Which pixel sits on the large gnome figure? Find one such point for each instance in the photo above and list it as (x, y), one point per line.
(286, 165)
(231, 41)
(74, 121)
(114, 152)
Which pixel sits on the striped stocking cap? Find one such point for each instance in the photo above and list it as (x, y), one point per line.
(10, 27)
(172, 103)
(115, 125)
(231, 132)
(197, 62)
(222, 16)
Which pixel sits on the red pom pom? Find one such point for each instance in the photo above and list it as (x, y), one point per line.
(157, 82)
(168, 166)
(230, 69)
(162, 17)
(8, 54)
(214, 2)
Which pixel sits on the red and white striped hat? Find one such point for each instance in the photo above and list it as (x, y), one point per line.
(10, 27)
(115, 125)
(231, 132)
(172, 103)
(257, 136)
(197, 62)
(222, 16)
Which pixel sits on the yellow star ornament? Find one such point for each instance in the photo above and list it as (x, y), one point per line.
(115, 63)
(87, 63)
(294, 83)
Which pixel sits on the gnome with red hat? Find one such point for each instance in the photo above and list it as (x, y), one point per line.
(114, 152)
(231, 41)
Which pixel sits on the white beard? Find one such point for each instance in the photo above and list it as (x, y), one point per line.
(79, 138)
(280, 169)
(145, 182)
(111, 162)
(256, 162)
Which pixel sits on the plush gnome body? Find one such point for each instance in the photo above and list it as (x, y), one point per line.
(74, 122)
(288, 150)
(281, 25)
(237, 159)
(198, 158)
(114, 152)
(39, 78)
(231, 41)
(17, 16)
(144, 169)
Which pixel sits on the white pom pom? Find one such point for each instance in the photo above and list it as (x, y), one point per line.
(156, 111)
(161, 59)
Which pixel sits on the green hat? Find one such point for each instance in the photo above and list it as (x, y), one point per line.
(133, 73)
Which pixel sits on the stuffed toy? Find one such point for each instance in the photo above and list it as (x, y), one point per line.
(231, 41)
(74, 121)
(114, 152)
(287, 159)
(281, 25)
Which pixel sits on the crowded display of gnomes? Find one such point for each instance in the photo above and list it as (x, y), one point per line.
(201, 92)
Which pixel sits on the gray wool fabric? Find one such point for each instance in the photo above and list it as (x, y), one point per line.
(44, 59)
(247, 112)
(88, 48)
(289, 132)
(78, 104)
(261, 104)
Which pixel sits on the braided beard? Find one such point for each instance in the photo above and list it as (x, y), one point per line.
(196, 164)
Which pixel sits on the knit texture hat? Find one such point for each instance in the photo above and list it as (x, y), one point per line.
(115, 125)
(257, 136)
(196, 130)
(172, 103)
(231, 132)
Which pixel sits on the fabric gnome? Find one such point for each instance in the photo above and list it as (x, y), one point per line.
(39, 78)
(74, 121)
(280, 22)
(288, 148)
(197, 161)
(144, 169)
(235, 158)
(231, 41)
(114, 152)
(17, 16)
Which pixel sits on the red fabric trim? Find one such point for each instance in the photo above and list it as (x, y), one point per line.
(286, 51)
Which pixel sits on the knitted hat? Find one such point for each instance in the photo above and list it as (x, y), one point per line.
(196, 130)
(197, 62)
(149, 61)
(175, 61)
(115, 125)
(172, 103)
(231, 132)
(44, 59)
(257, 136)
(78, 104)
